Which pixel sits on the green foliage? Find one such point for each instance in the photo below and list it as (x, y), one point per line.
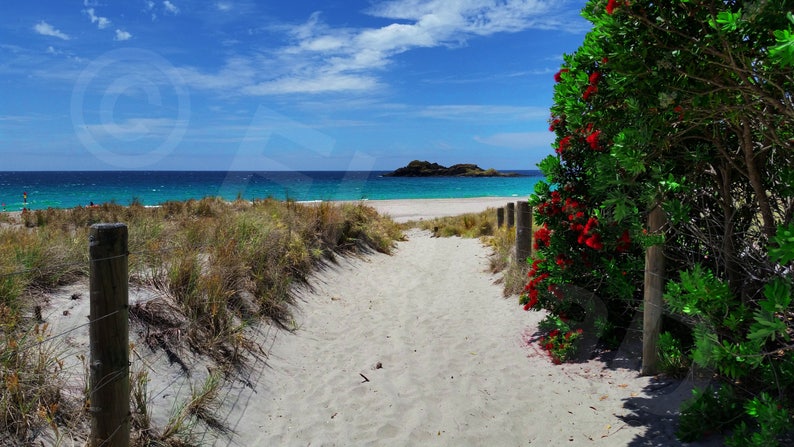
(709, 411)
(698, 293)
(783, 250)
(673, 361)
(685, 104)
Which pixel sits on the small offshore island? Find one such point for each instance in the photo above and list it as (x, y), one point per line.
(418, 168)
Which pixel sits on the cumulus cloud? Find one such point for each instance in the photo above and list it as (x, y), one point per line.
(170, 7)
(45, 29)
(101, 22)
(122, 35)
(223, 6)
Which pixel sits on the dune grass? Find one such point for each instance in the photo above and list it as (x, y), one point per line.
(217, 266)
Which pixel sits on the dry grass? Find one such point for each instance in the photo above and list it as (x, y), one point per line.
(219, 267)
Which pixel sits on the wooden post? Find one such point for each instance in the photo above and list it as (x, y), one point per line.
(511, 214)
(654, 289)
(523, 231)
(109, 336)
(500, 217)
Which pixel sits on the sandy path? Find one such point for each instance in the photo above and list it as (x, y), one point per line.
(455, 367)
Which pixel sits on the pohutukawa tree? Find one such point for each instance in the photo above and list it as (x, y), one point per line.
(685, 105)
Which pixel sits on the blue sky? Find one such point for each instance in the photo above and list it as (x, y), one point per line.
(279, 85)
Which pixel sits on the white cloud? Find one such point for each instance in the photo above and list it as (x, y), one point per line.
(122, 35)
(45, 29)
(102, 22)
(315, 84)
(170, 7)
(520, 140)
(223, 6)
(320, 58)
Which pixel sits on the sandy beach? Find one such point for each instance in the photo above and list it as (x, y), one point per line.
(419, 209)
(415, 348)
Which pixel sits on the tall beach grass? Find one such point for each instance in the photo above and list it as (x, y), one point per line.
(216, 267)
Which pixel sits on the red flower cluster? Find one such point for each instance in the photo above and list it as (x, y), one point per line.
(624, 242)
(551, 208)
(563, 262)
(554, 123)
(542, 237)
(592, 89)
(587, 235)
(565, 143)
(592, 140)
(559, 345)
(558, 75)
(531, 289)
(612, 4)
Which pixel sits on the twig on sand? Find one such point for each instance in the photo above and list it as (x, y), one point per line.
(365, 378)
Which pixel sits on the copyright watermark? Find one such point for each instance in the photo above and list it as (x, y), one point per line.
(130, 108)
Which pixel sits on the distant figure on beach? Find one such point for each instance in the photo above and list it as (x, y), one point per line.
(25, 197)
(91, 204)
(4, 207)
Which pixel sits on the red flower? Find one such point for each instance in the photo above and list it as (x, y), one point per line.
(592, 140)
(591, 223)
(542, 237)
(554, 123)
(565, 143)
(594, 242)
(558, 75)
(594, 77)
(590, 91)
(680, 111)
(532, 301)
(555, 198)
(611, 6)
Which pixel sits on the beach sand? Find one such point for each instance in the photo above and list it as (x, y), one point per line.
(420, 209)
(415, 348)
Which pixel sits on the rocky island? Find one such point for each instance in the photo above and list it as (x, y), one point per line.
(418, 168)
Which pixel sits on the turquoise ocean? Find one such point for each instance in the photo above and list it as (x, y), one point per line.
(51, 189)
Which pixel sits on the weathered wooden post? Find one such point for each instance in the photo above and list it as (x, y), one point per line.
(109, 336)
(654, 289)
(500, 217)
(523, 231)
(511, 214)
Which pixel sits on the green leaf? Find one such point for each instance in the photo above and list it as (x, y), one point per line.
(784, 239)
(549, 166)
(783, 52)
(726, 20)
(778, 296)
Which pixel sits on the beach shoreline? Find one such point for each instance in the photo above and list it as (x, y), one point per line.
(406, 210)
